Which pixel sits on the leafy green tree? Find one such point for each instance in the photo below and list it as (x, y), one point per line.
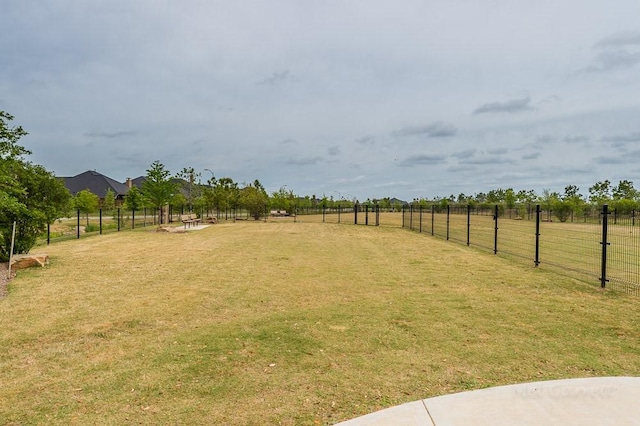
(625, 197)
(87, 202)
(158, 188)
(134, 200)
(255, 199)
(190, 182)
(525, 199)
(283, 199)
(600, 193)
(624, 191)
(574, 199)
(561, 208)
(385, 204)
(510, 200)
(30, 196)
(222, 195)
(109, 202)
(496, 196)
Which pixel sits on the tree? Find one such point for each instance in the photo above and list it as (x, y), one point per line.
(30, 196)
(222, 195)
(510, 200)
(134, 199)
(190, 180)
(109, 202)
(87, 202)
(624, 191)
(283, 200)
(255, 199)
(158, 188)
(600, 193)
(573, 199)
(625, 197)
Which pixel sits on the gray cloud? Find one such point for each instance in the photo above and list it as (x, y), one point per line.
(532, 156)
(545, 139)
(576, 139)
(422, 160)
(467, 153)
(333, 150)
(631, 157)
(305, 161)
(619, 40)
(289, 142)
(616, 52)
(511, 106)
(277, 78)
(497, 151)
(614, 60)
(629, 137)
(486, 160)
(110, 135)
(366, 140)
(434, 130)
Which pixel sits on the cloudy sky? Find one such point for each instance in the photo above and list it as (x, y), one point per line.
(344, 98)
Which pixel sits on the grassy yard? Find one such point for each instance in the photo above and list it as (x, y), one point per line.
(289, 323)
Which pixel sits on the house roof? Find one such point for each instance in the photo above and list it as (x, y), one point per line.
(137, 182)
(95, 182)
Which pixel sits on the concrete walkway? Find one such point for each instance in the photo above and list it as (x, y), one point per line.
(591, 401)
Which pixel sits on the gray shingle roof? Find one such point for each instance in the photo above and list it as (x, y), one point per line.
(95, 182)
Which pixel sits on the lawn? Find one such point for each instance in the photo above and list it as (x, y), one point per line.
(289, 323)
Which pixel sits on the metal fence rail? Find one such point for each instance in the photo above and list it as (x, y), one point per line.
(601, 245)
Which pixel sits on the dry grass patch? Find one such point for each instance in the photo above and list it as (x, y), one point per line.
(289, 323)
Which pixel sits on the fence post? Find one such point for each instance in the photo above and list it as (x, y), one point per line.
(411, 217)
(78, 226)
(355, 213)
(468, 224)
(366, 214)
(118, 219)
(323, 212)
(433, 218)
(100, 210)
(495, 231)
(48, 233)
(403, 215)
(420, 218)
(133, 218)
(377, 214)
(605, 223)
(339, 212)
(536, 261)
(448, 212)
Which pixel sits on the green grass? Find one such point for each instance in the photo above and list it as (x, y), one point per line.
(289, 323)
(569, 248)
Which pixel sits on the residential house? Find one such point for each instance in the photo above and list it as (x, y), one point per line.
(97, 183)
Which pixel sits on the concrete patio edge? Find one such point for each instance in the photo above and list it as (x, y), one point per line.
(597, 400)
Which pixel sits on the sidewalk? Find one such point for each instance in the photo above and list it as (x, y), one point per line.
(591, 401)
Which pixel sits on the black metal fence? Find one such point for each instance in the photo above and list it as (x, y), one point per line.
(600, 245)
(356, 214)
